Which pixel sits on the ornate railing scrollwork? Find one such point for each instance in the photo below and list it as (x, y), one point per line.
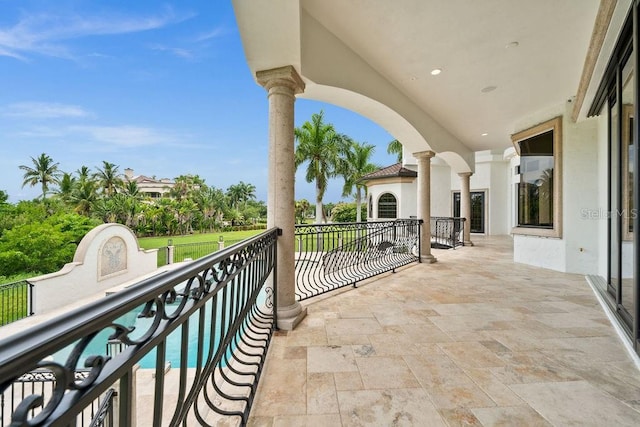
(331, 256)
(212, 319)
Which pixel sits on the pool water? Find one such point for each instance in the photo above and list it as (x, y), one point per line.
(98, 346)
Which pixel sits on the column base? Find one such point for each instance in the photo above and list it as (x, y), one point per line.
(468, 243)
(289, 317)
(428, 259)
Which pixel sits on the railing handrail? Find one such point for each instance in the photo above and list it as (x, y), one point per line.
(17, 282)
(332, 256)
(31, 346)
(359, 223)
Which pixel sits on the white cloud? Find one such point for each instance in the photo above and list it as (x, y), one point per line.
(216, 32)
(43, 110)
(45, 33)
(125, 135)
(179, 52)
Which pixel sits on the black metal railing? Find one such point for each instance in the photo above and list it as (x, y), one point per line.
(210, 321)
(16, 301)
(163, 256)
(331, 256)
(193, 250)
(43, 382)
(447, 232)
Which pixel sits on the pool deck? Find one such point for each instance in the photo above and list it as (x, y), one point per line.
(472, 340)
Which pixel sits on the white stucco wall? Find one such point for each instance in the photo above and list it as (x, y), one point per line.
(441, 198)
(95, 268)
(404, 193)
(577, 251)
(408, 203)
(491, 177)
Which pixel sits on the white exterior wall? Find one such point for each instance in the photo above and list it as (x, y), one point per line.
(441, 198)
(83, 277)
(405, 194)
(491, 177)
(408, 201)
(577, 251)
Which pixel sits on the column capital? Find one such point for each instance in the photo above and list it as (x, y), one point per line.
(283, 76)
(464, 174)
(424, 154)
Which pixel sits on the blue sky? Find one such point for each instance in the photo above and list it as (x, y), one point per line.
(160, 87)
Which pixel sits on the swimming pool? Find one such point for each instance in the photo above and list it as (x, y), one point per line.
(100, 343)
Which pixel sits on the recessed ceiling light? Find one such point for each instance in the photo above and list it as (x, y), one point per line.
(485, 134)
(436, 71)
(488, 89)
(512, 44)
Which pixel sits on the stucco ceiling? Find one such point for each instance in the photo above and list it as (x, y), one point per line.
(532, 52)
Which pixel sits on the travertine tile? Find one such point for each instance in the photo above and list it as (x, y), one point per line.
(510, 416)
(474, 339)
(454, 395)
(331, 359)
(321, 394)
(385, 372)
(471, 354)
(565, 403)
(436, 369)
(282, 389)
(348, 381)
(324, 420)
(459, 417)
(410, 407)
(352, 327)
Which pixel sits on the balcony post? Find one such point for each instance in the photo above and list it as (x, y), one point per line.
(282, 85)
(424, 203)
(465, 206)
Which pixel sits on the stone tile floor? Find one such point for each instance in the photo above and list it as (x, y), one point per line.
(473, 340)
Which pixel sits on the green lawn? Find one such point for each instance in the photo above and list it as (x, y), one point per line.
(229, 236)
(13, 303)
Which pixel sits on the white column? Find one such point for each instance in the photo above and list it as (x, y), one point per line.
(424, 203)
(283, 84)
(465, 205)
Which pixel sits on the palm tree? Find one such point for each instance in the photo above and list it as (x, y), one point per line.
(395, 147)
(321, 146)
(240, 193)
(108, 178)
(84, 174)
(211, 202)
(44, 172)
(66, 186)
(301, 206)
(356, 166)
(185, 185)
(131, 189)
(84, 196)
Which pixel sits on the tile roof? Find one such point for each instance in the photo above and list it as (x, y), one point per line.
(391, 171)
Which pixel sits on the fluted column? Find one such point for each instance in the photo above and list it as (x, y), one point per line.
(424, 203)
(282, 85)
(465, 205)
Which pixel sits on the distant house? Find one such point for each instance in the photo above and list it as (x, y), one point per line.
(392, 192)
(151, 187)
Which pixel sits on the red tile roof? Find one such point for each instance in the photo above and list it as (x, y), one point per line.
(391, 171)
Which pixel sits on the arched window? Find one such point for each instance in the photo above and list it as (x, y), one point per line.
(387, 206)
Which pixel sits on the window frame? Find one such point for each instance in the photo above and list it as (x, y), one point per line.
(554, 125)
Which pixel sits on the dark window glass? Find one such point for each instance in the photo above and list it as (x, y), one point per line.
(535, 191)
(387, 206)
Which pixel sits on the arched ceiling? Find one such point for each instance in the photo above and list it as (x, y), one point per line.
(501, 60)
